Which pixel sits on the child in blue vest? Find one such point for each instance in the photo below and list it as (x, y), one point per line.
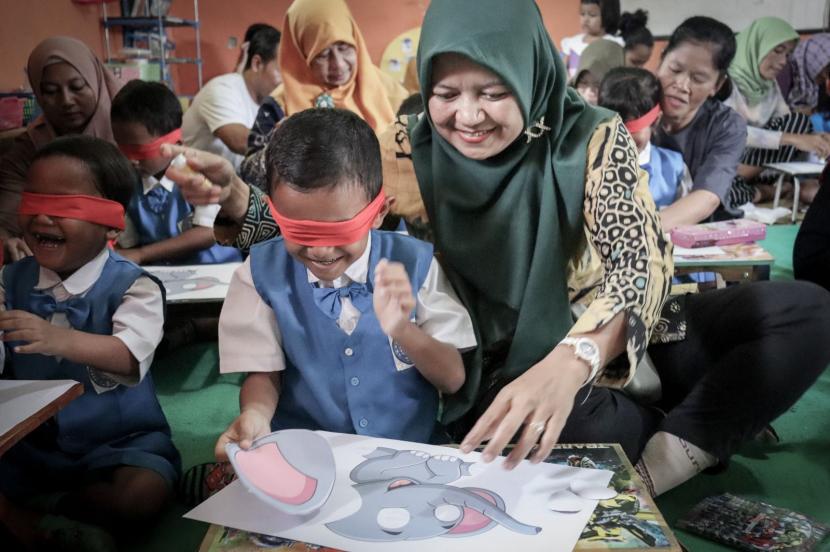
(341, 327)
(635, 94)
(162, 228)
(76, 310)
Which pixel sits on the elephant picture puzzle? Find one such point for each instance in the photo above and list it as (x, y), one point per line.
(353, 492)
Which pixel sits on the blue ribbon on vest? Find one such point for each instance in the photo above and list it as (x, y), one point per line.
(328, 299)
(157, 198)
(76, 309)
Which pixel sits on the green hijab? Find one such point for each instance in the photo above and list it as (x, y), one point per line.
(506, 227)
(755, 42)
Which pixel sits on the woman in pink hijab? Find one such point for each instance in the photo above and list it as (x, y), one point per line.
(74, 89)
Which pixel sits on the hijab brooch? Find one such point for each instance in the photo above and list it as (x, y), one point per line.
(324, 100)
(536, 130)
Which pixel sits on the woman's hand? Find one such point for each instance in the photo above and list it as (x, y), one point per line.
(542, 399)
(811, 143)
(207, 179)
(16, 248)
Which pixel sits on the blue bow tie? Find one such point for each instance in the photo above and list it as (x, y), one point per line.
(76, 309)
(157, 199)
(328, 299)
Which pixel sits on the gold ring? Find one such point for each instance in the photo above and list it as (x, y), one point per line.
(538, 427)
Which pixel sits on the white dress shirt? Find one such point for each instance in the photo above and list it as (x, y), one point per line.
(250, 339)
(138, 321)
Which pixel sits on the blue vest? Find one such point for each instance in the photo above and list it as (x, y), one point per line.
(155, 227)
(665, 170)
(92, 420)
(339, 382)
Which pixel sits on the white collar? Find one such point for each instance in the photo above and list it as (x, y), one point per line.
(358, 271)
(80, 281)
(150, 182)
(645, 155)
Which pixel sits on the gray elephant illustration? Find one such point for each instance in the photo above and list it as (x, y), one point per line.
(405, 496)
(182, 281)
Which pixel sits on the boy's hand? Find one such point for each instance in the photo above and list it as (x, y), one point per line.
(42, 336)
(248, 426)
(393, 299)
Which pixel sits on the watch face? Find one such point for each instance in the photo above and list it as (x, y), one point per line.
(587, 349)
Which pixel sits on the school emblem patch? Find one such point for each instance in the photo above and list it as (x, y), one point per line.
(399, 353)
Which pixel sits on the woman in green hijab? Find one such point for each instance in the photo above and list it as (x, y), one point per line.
(774, 133)
(546, 229)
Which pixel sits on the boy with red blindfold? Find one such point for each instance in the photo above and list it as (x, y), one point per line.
(635, 94)
(77, 310)
(342, 327)
(162, 228)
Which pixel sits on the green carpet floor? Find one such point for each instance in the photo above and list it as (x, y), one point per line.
(199, 404)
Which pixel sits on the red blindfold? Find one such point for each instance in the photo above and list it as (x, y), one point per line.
(80, 207)
(150, 150)
(636, 125)
(312, 233)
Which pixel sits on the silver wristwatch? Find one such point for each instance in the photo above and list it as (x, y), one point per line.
(585, 349)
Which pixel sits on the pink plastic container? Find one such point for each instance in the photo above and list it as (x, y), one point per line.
(719, 233)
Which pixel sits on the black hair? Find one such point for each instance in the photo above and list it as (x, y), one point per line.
(710, 32)
(633, 29)
(150, 103)
(321, 148)
(630, 91)
(114, 176)
(609, 12)
(262, 40)
(412, 105)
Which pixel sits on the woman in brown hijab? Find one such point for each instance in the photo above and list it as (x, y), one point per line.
(74, 89)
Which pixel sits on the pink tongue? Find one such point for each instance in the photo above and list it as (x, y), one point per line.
(269, 471)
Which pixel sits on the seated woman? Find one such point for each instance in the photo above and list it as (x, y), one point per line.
(325, 63)
(806, 73)
(74, 89)
(535, 203)
(774, 133)
(710, 136)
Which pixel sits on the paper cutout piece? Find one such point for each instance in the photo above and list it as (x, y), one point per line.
(591, 491)
(292, 470)
(566, 502)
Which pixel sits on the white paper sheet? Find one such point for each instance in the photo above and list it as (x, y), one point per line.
(526, 491)
(797, 167)
(21, 399)
(195, 283)
(696, 251)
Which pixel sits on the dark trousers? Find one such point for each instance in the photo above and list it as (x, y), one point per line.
(750, 352)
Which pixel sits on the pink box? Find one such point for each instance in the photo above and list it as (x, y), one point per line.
(719, 233)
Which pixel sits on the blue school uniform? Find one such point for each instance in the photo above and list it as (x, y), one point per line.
(124, 426)
(339, 382)
(665, 170)
(160, 215)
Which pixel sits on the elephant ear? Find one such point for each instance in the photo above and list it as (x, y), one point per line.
(381, 452)
(474, 522)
